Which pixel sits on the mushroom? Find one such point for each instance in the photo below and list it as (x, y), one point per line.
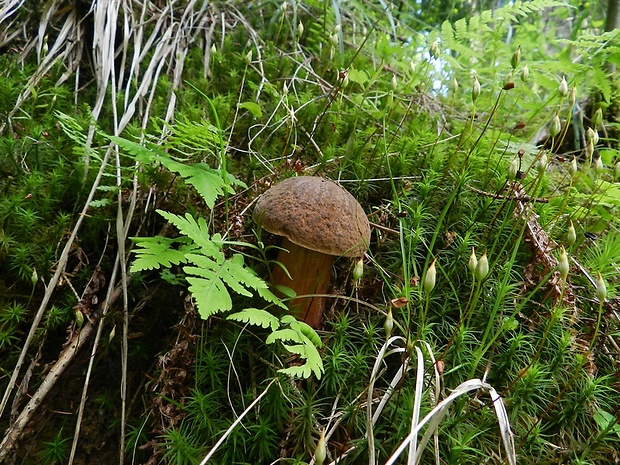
(319, 221)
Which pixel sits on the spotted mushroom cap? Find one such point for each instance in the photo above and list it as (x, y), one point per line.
(315, 213)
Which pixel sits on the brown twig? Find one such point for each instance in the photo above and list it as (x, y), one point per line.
(77, 341)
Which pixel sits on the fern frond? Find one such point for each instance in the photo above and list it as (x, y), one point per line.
(193, 136)
(303, 328)
(210, 293)
(256, 317)
(310, 354)
(455, 37)
(305, 347)
(157, 252)
(286, 334)
(208, 182)
(197, 231)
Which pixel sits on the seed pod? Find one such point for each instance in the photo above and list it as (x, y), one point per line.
(571, 235)
(572, 96)
(601, 289)
(300, 29)
(572, 168)
(525, 73)
(213, 49)
(597, 118)
(541, 165)
(516, 58)
(473, 262)
(563, 265)
(482, 268)
(388, 325)
(555, 126)
(358, 270)
(434, 49)
(429, 278)
(454, 84)
(598, 165)
(475, 90)
(394, 82)
(589, 150)
(79, 318)
(509, 81)
(513, 169)
(563, 88)
(248, 58)
(591, 134)
(320, 453)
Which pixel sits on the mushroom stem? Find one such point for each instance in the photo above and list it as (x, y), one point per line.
(310, 273)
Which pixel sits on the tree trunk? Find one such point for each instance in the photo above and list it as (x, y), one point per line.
(612, 22)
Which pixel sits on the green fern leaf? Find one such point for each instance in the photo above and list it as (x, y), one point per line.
(456, 37)
(232, 272)
(303, 328)
(602, 82)
(197, 231)
(310, 354)
(138, 151)
(194, 136)
(208, 182)
(211, 295)
(269, 296)
(257, 317)
(286, 334)
(298, 371)
(155, 252)
(211, 278)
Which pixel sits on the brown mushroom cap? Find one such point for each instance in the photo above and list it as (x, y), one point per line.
(315, 213)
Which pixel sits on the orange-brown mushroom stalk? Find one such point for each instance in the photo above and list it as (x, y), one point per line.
(319, 221)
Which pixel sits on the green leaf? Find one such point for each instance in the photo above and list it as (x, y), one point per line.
(303, 328)
(100, 203)
(285, 334)
(269, 296)
(211, 295)
(252, 108)
(155, 252)
(310, 354)
(257, 317)
(358, 76)
(298, 371)
(197, 231)
(605, 419)
(138, 151)
(208, 182)
(227, 271)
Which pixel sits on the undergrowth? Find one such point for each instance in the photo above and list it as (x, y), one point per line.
(483, 152)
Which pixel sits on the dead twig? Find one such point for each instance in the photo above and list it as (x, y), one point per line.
(77, 341)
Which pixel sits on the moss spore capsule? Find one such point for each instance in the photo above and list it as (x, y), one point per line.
(601, 288)
(563, 265)
(430, 278)
(571, 235)
(482, 268)
(473, 262)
